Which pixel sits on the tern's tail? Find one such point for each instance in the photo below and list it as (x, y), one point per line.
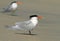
(5, 10)
(12, 27)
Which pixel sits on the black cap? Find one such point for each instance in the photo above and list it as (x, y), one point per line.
(13, 2)
(33, 16)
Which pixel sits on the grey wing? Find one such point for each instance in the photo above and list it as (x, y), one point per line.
(7, 9)
(23, 25)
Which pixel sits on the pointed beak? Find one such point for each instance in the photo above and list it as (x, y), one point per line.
(19, 3)
(40, 17)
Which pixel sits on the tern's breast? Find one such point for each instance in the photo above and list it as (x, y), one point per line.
(14, 6)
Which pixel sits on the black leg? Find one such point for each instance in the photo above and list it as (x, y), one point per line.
(29, 32)
(13, 12)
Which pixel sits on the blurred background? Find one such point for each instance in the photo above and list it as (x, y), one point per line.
(48, 28)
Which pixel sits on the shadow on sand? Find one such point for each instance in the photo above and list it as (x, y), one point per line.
(25, 34)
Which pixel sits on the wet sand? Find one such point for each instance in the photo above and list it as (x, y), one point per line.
(48, 28)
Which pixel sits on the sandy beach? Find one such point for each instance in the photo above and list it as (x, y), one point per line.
(48, 28)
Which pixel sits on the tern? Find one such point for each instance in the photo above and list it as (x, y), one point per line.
(26, 25)
(12, 7)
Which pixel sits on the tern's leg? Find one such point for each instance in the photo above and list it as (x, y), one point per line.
(13, 13)
(29, 32)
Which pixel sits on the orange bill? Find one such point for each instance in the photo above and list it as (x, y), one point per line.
(19, 3)
(40, 17)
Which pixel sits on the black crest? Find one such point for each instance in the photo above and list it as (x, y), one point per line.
(33, 16)
(13, 2)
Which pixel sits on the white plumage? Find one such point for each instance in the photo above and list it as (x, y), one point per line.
(25, 25)
(12, 7)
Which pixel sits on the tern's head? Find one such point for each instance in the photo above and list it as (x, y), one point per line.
(16, 2)
(35, 17)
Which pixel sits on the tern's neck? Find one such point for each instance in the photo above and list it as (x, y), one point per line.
(14, 4)
(34, 21)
